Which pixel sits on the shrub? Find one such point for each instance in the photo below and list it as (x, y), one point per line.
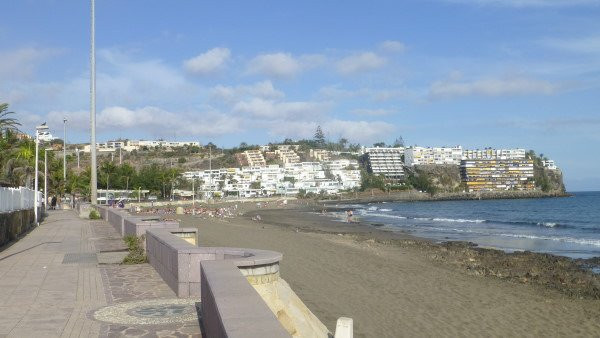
(94, 214)
(136, 253)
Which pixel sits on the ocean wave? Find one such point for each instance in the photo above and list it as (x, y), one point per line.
(459, 220)
(548, 224)
(583, 241)
(372, 208)
(386, 215)
(385, 209)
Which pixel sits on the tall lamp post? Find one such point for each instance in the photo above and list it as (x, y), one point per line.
(38, 130)
(46, 177)
(193, 195)
(65, 150)
(94, 177)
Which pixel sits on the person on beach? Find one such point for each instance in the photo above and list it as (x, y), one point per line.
(349, 214)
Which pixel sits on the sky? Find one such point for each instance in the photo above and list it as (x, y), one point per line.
(476, 73)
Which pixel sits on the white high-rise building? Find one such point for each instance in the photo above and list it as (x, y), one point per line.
(437, 155)
(494, 154)
(385, 161)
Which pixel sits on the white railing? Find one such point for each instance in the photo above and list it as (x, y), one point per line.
(12, 199)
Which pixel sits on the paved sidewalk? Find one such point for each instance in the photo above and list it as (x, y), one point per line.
(52, 286)
(41, 296)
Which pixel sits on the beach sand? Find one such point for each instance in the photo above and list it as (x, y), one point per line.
(393, 290)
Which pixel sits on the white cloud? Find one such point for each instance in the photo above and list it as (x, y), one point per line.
(21, 64)
(270, 109)
(263, 89)
(152, 120)
(371, 112)
(528, 3)
(278, 65)
(393, 46)
(208, 62)
(358, 63)
(355, 131)
(491, 87)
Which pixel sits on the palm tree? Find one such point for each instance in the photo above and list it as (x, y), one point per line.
(6, 122)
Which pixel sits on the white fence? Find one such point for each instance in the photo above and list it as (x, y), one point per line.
(12, 199)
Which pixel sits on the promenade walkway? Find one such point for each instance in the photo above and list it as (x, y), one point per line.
(51, 285)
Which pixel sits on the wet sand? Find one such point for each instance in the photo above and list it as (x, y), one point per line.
(394, 285)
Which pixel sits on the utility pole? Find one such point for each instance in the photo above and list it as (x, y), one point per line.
(35, 195)
(65, 150)
(193, 196)
(45, 178)
(77, 151)
(210, 167)
(94, 177)
(120, 157)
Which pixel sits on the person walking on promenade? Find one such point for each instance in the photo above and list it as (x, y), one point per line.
(53, 203)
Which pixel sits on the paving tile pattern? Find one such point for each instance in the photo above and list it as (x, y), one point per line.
(127, 283)
(42, 297)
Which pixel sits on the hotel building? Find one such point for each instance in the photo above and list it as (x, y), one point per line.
(493, 154)
(437, 155)
(385, 161)
(495, 175)
(255, 158)
(287, 155)
(320, 154)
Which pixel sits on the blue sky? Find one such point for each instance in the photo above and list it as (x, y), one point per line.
(499, 73)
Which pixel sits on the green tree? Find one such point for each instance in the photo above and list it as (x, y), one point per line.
(319, 137)
(7, 122)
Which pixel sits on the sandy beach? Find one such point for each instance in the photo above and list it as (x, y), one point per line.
(394, 285)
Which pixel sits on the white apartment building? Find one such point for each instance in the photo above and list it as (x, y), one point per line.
(255, 158)
(162, 143)
(494, 154)
(385, 161)
(130, 145)
(273, 179)
(320, 154)
(287, 155)
(436, 155)
(550, 164)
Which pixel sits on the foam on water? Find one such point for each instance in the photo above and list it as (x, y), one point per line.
(556, 225)
(459, 220)
(559, 239)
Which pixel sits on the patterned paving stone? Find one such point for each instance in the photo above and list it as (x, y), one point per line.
(140, 304)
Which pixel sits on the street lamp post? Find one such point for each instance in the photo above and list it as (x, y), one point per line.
(65, 149)
(93, 178)
(46, 178)
(38, 129)
(193, 196)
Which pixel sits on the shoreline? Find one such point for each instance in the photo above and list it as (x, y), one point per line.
(415, 196)
(378, 277)
(573, 277)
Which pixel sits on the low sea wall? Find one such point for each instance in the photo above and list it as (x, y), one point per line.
(178, 261)
(231, 307)
(241, 291)
(137, 226)
(16, 223)
(126, 224)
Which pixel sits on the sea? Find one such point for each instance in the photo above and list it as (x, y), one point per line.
(566, 226)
